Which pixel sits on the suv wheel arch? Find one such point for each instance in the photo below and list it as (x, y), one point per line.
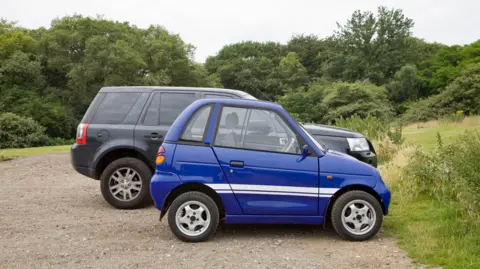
(117, 153)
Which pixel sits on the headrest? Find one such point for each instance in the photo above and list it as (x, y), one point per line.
(231, 121)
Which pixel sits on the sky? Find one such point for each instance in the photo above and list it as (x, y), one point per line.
(211, 24)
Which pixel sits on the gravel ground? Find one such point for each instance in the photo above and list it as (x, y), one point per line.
(52, 217)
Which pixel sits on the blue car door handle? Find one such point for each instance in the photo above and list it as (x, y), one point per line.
(236, 164)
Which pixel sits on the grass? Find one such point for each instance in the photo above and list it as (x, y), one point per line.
(434, 233)
(425, 133)
(431, 232)
(6, 154)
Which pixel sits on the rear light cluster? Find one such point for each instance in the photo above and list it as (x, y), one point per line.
(82, 133)
(160, 155)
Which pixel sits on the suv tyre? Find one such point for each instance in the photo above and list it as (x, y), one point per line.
(125, 183)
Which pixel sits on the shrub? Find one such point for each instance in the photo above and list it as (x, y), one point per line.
(450, 173)
(372, 128)
(369, 126)
(325, 102)
(58, 141)
(385, 150)
(20, 132)
(462, 94)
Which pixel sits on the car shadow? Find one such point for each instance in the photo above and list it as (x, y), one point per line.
(272, 231)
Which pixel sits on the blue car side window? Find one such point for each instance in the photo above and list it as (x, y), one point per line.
(255, 129)
(195, 129)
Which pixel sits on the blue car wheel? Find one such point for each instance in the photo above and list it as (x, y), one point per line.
(193, 217)
(357, 215)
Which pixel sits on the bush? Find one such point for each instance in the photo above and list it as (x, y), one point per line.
(369, 126)
(58, 141)
(325, 102)
(462, 94)
(372, 128)
(450, 173)
(385, 150)
(20, 132)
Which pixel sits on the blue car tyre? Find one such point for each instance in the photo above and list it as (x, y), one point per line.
(357, 215)
(193, 217)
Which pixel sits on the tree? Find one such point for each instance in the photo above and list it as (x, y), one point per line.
(462, 94)
(370, 47)
(250, 66)
(293, 73)
(311, 52)
(445, 66)
(51, 75)
(403, 87)
(324, 102)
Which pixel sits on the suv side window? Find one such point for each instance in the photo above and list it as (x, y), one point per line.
(115, 107)
(153, 111)
(195, 129)
(255, 129)
(172, 104)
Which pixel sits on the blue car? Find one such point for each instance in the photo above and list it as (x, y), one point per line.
(216, 162)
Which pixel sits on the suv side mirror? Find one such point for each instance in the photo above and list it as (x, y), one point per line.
(305, 150)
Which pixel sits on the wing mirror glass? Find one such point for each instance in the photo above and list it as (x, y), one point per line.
(305, 150)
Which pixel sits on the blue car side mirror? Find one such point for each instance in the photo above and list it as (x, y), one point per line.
(305, 150)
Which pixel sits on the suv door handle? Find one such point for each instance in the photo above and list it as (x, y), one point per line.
(236, 163)
(154, 136)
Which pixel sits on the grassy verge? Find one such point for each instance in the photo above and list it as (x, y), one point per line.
(432, 231)
(425, 133)
(6, 154)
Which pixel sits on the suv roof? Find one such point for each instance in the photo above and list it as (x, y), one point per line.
(149, 89)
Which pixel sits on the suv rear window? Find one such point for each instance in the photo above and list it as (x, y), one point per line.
(115, 107)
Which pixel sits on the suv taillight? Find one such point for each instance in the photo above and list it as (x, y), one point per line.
(82, 133)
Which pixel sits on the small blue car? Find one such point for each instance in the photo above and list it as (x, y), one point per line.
(248, 161)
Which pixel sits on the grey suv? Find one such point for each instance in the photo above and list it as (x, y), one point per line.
(118, 138)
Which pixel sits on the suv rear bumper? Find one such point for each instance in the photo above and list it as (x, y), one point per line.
(80, 157)
(88, 172)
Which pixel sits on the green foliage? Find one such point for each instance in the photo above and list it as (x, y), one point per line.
(292, 72)
(387, 137)
(311, 51)
(324, 102)
(58, 141)
(445, 66)
(371, 47)
(20, 132)
(254, 67)
(370, 126)
(403, 87)
(51, 75)
(450, 172)
(462, 94)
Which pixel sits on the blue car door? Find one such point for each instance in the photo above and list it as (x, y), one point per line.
(260, 156)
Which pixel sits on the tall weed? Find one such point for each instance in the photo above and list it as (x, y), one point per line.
(386, 137)
(450, 173)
